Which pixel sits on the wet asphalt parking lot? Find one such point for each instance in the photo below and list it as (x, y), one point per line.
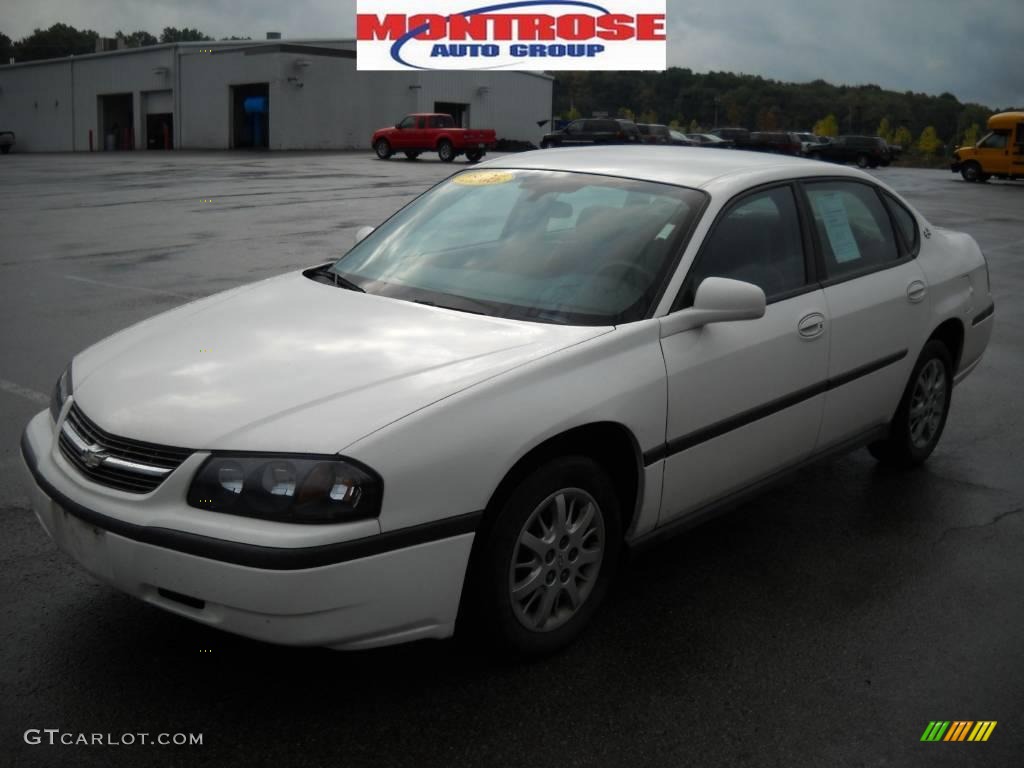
(823, 624)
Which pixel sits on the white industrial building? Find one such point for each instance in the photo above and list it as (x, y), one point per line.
(208, 95)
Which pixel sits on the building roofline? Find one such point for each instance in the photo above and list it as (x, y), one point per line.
(316, 46)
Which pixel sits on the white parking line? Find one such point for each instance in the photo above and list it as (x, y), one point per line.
(127, 287)
(25, 392)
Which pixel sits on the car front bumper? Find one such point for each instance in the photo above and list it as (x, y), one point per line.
(359, 593)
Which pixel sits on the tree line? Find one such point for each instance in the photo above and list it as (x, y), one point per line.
(701, 101)
(64, 40)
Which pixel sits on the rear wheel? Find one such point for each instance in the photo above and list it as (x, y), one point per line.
(5, 148)
(445, 151)
(546, 561)
(862, 161)
(409, 155)
(382, 148)
(474, 156)
(917, 426)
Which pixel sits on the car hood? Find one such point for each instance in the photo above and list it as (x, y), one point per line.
(290, 364)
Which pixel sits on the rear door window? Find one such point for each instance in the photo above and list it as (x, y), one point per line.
(854, 230)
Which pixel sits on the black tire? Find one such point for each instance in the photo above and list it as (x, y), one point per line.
(383, 149)
(971, 171)
(445, 151)
(902, 448)
(409, 155)
(492, 576)
(5, 149)
(474, 156)
(862, 161)
(545, 144)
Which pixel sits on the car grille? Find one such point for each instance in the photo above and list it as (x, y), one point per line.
(117, 462)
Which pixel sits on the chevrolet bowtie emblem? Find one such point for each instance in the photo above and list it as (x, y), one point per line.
(92, 456)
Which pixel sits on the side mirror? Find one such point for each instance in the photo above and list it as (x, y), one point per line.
(362, 233)
(398, 126)
(718, 300)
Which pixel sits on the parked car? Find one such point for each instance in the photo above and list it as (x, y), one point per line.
(652, 133)
(808, 140)
(593, 131)
(999, 153)
(432, 132)
(527, 369)
(680, 139)
(865, 151)
(6, 141)
(709, 140)
(775, 142)
(735, 135)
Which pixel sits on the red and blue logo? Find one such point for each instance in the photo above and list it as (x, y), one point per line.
(523, 34)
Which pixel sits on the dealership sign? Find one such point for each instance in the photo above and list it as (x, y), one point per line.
(524, 34)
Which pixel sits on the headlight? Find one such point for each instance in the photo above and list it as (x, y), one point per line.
(290, 489)
(61, 390)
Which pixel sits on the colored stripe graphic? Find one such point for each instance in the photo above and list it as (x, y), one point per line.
(958, 730)
(982, 730)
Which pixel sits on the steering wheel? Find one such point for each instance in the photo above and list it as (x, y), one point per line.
(645, 278)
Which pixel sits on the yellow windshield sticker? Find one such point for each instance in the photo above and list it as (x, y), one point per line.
(483, 178)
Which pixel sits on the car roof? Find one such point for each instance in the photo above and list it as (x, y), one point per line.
(682, 166)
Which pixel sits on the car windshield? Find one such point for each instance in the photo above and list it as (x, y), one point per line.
(545, 246)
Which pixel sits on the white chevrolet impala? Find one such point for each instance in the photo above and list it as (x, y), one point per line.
(536, 364)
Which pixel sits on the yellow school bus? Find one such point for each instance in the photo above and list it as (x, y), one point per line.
(999, 153)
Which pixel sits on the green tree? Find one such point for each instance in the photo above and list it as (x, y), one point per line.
(184, 35)
(827, 126)
(626, 113)
(674, 125)
(884, 130)
(57, 41)
(694, 126)
(929, 142)
(572, 114)
(137, 39)
(6, 48)
(649, 116)
(902, 137)
(971, 134)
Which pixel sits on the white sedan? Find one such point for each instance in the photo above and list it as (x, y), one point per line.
(539, 362)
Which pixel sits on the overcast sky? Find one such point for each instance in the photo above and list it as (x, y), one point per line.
(972, 50)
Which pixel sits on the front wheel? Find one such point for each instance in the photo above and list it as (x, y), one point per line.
(917, 426)
(547, 559)
(382, 148)
(862, 161)
(5, 148)
(971, 171)
(446, 151)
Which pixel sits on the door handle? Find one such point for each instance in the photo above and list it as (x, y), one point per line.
(916, 291)
(811, 326)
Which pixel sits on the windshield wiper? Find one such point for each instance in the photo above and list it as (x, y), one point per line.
(325, 274)
(445, 306)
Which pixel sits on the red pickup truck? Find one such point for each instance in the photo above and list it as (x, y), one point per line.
(433, 132)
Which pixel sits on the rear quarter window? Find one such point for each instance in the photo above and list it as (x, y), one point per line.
(906, 224)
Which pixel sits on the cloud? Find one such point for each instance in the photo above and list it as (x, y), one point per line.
(969, 49)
